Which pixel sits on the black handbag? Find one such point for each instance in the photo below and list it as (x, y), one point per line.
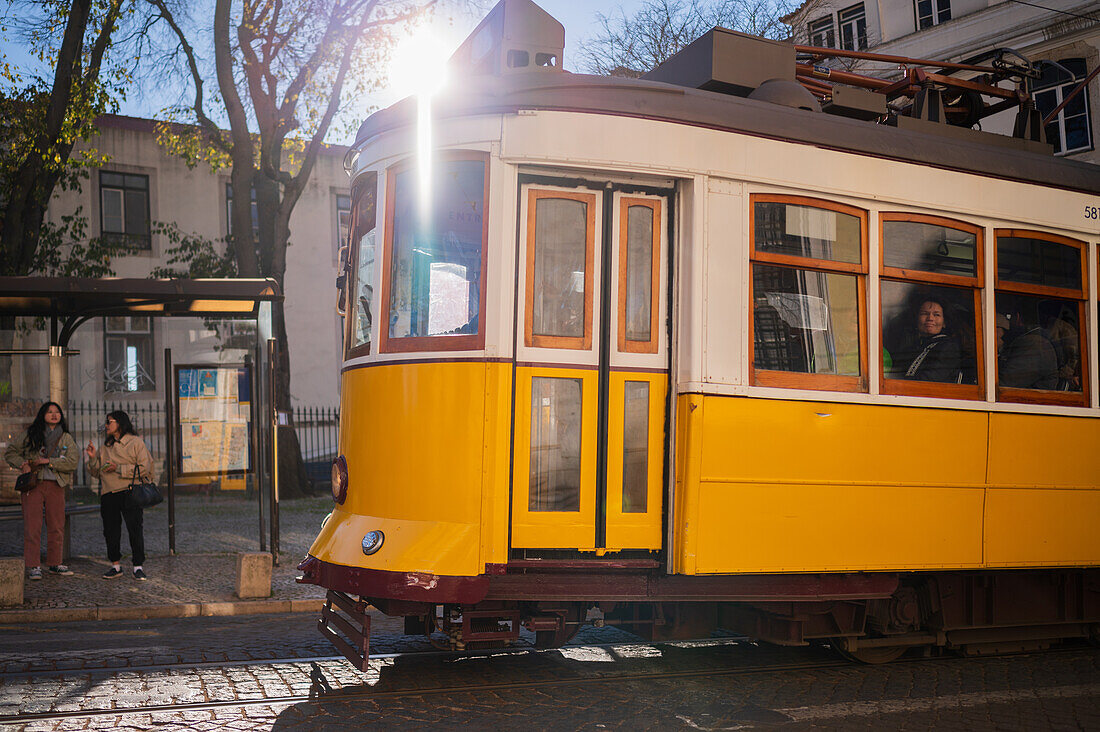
(142, 494)
(26, 482)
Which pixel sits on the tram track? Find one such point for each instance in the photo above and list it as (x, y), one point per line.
(355, 693)
(238, 663)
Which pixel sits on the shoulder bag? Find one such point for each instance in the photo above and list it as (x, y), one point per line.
(142, 494)
(26, 482)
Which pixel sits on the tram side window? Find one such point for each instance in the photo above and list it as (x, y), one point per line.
(435, 257)
(1040, 304)
(362, 251)
(808, 285)
(931, 302)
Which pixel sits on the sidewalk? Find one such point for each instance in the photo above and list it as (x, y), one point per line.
(198, 581)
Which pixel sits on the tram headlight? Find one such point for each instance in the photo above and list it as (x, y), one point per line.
(372, 541)
(339, 480)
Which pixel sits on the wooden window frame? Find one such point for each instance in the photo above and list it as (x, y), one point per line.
(351, 303)
(419, 344)
(1080, 296)
(530, 339)
(653, 204)
(975, 283)
(796, 380)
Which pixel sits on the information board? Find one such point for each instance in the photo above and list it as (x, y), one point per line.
(214, 414)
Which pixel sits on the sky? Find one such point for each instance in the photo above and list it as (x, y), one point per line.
(578, 17)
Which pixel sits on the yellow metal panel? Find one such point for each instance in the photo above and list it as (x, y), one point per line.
(554, 529)
(495, 478)
(689, 427)
(821, 528)
(413, 436)
(438, 547)
(1032, 527)
(635, 530)
(774, 440)
(1033, 449)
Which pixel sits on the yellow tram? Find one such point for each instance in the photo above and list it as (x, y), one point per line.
(687, 352)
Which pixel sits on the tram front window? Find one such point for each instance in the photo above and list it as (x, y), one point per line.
(362, 245)
(436, 252)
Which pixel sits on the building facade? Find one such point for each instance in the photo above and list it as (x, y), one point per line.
(143, 185)
(1064, 32)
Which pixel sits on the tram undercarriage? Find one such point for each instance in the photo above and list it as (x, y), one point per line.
(871, 618)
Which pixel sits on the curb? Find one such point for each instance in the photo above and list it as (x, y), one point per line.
(145, 612)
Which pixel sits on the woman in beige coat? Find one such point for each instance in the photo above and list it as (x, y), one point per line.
(49, 450)
(123, 453)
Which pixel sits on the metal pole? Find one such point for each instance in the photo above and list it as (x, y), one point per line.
(59, 376)
(170, 445)
(254, 428)
(272, 354)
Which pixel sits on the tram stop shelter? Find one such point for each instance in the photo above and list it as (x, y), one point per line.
(67, 303)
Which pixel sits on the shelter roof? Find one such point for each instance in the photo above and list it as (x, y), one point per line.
(85, 297)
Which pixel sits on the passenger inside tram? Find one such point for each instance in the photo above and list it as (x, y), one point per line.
(1028, 357)
(922, 341)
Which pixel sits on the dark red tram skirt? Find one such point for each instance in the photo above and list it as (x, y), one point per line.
(596, 580)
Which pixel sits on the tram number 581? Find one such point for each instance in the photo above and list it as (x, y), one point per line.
(1091, 212)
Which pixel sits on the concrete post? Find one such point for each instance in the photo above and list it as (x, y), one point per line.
(59, 376)
(11, 582)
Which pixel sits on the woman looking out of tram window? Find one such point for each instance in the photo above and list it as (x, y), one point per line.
(928, 351)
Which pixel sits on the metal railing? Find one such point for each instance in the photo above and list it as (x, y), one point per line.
(317, 428)
(86, 421)
(318, 435)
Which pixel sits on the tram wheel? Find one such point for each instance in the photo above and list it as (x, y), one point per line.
(870, 656)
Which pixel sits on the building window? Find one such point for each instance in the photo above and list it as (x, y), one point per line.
(229, 212)
(822, 34)
(932, 12)
(128, 354)
(1070, 131)
(124, 208)
(853, 28)
(809, 266)
(931, 306)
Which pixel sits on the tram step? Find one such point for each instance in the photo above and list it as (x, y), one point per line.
(345, 623)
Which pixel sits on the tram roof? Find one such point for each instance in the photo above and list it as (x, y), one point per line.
(955, 148)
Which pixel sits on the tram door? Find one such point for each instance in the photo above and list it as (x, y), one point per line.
(591, 369)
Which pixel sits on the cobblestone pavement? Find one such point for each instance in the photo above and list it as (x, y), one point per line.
(602, 681)
(209, 534)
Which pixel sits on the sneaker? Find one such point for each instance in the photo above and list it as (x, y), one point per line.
(34, 573)
(139, 574)
(112, 572)
(60, 569)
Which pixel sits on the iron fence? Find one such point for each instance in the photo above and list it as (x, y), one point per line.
(318, 435)
(317, 428)
(86, 421)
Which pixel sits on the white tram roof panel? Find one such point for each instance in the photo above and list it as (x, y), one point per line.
(518, 31)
